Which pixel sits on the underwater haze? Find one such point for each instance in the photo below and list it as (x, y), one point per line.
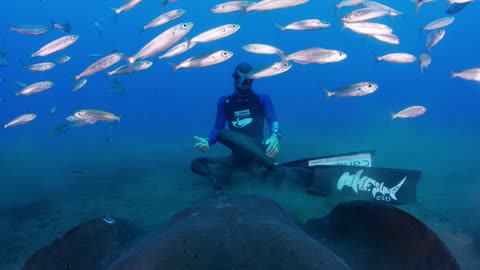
(139, 167)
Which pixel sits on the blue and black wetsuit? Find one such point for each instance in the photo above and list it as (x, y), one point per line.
(246, 114)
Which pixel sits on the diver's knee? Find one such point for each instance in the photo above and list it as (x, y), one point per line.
(199, 166)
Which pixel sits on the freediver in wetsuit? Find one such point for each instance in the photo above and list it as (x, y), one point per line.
(246, 112)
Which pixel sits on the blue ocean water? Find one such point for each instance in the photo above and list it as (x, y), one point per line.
(162, 110)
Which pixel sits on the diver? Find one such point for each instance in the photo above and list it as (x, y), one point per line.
(245, 112)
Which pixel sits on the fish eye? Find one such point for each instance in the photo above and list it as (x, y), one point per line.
(369, 85)
(233, 26)
(224, 53)
(184, 25)
(180, 11)
(75, 36)
(285, 64)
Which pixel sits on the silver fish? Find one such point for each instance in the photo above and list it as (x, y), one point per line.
(309, 24)
(165, 18)
(368, 28)
(40, 67)
(56, 45)
(216, 33)
(399, 58)
(269, 70)
(419, 3)
(205, 60)
(177, 49)
(472, 74)
(35, 88)
(258, 48)
(101, 64)
(62, 59)
(90, 116)
(348, 3)
(373, 4)
(127, 6)
(434, 37)
(410, 112)
(450, 2)
(354, 90)
(29, 29)
(388, 38)
(231, 6)
(267, 5)
(162, 41)
(364, 14)
(135, 67)
(65, 27)
(424, 60)
(316, 56)
(21, 120)
(437, 24)
(79, 84)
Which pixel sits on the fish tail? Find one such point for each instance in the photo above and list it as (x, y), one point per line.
(327, 93)
(453, 75)
(190, 44)
(131, 60)
(22, 64)
(279, 27)
(116, 12)
(392, 116)
(173, 66)
(284, 57)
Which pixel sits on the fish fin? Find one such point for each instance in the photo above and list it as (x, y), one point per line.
(190, 44)
(281, 28)
(328, 94)
(173, 66)
(22, 64)
(377, 58)
(392, 116)
(141, 30)
(115, 12)
(283, 57)
(452, 74)
(22, 84)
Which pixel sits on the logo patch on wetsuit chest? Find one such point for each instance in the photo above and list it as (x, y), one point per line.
(242, 118)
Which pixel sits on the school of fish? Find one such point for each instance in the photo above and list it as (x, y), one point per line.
(175, 40)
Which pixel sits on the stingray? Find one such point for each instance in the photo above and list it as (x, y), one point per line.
(372, 235)
(91, 245)
(247, 232)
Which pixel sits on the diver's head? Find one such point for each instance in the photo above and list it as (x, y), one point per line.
(241, 82)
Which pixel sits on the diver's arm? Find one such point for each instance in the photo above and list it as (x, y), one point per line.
(270, 115)
(219, 122)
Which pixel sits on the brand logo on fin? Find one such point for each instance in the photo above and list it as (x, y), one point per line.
(363, 183)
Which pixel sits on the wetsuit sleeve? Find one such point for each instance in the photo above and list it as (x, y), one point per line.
(270, 115)
(219, 122)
